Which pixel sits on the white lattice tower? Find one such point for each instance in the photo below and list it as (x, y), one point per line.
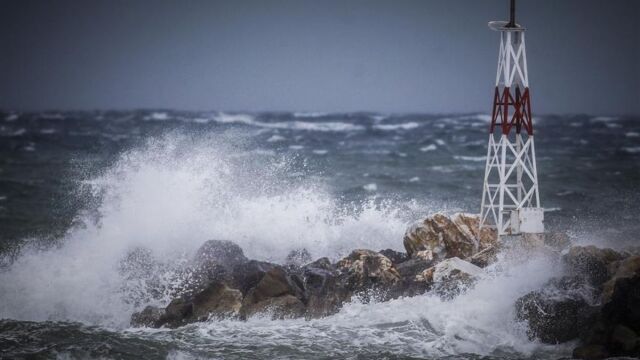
(510, 198)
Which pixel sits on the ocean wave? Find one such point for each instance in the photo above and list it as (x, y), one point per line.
(330, 126)
(395, 127)
(470, 158)
(157, 116)
(604, 118)
(169, 197)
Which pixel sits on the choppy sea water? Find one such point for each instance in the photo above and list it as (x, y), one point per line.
(80, 189)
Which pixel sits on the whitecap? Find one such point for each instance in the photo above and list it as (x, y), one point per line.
(632, 150)
(310, 114)
(394, 127)
(157, 116)
(440, 142)
(427, 148)
(296, 147)
(320, 152)
(632, 134)
(470, 158)
(370, 187)
(11, 117)
(276, 138)
(48, 131)
(414, 179)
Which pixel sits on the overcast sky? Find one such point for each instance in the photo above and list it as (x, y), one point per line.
(350, 55)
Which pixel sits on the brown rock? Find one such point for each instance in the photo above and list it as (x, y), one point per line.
(456, 236)
(364, 267)
(282, 307)
(591, 263)
(217, 300)
(626, 268)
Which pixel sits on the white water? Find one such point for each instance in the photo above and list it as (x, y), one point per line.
(176, 192)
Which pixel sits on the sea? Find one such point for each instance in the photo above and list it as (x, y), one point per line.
(79, 190)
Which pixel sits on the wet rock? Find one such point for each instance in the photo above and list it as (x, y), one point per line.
(624, 306)
(554, 312)
(282, 307)
(591, 263)
(455, 269)
(149, 317)
(324, 292)
(363, 269)
(298, 257)
(396, 257)
(220, 252)
(413, 267)
(456, 236)
(177, 313)
(247, 275)
(274, 292)
(217, 300)
(485, 257)
(626, 268)
(275, 282)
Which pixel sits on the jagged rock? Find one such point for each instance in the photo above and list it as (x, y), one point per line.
(220, 252)
(396, 257)
(149, 317)
(298, 257)
(413, 267)
(446, 237)
(323, 291)
(626, 268)
(624, 306)
(177, 313)
(455, 269)
(449, 277)
(591, 263)
(554, 312)
(485, 257)
(246, 276)
(217, 300)
(366, 268)
(275, 282)
(274, 292)
(281, 307)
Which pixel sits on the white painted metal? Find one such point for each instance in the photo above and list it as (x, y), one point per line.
(510, 198)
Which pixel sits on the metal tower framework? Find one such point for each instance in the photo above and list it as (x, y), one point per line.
(510, 198)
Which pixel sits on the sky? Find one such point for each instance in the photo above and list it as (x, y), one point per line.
(395, 56)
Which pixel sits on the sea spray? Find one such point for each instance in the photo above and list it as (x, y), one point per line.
(169, 197)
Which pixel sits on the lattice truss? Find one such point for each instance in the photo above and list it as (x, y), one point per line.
(511, 180)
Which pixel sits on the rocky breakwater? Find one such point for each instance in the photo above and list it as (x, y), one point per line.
(596, 301)
(226, 284)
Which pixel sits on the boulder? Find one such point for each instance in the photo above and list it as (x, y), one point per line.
(626, 268)
(455, 269)
(274, 292)
(298, 257)
(149, 317)
(245, 276)
(456, 236)
(217, 300)
(220, 252)
(325, 293)
(554, 312)
(485, 257)
(396, 257)
(281, 307)
(591, 263)
(364, 269)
